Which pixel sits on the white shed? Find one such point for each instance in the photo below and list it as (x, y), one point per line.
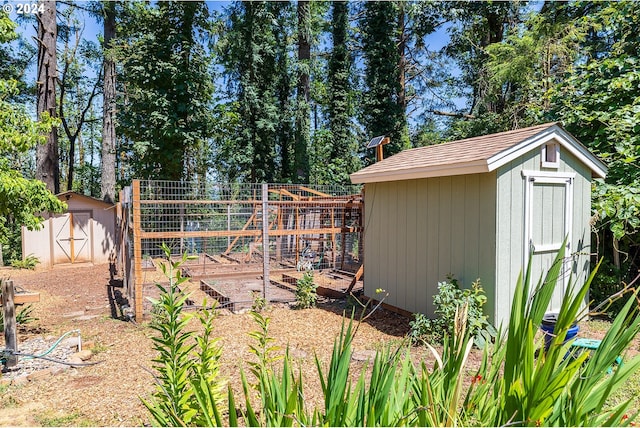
(84, 234)
(477, 208)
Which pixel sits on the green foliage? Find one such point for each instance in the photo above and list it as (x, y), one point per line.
(306, 295)
(606, 287)
(248, 53)
(23, 316)
(381, 111)
(449, 300)
(21, 198)
(518, 381)
(184, 362)
(259, 302)
(342, 145)
(166, 70)
(29, 262)
(516, 386)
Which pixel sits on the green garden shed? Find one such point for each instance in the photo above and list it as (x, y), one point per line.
(477, 208)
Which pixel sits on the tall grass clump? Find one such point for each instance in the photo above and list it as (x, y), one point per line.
(524, 384)
(518, 382)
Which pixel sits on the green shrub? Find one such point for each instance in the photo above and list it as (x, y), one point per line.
(518, 383)
(608, 282)
(29, 262)
(185, 362)
(448, 300)
(23, 316)
(259, 302)
(306, 295)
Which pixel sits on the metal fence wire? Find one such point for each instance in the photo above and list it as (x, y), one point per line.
(308, 226)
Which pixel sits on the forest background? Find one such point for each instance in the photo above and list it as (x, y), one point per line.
(94, 94)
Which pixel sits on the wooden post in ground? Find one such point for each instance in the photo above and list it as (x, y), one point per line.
(265, 239)
(137, 251)
(10, 328)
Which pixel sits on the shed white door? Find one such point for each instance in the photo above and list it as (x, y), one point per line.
(72, 238)
(548, 220)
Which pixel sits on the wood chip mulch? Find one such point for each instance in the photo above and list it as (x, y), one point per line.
(108, 394)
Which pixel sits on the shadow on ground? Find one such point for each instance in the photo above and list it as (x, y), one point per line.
(381, 319)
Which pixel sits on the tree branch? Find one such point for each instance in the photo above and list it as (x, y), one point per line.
(452, 114)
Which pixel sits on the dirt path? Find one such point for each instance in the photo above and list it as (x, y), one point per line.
(108, 394)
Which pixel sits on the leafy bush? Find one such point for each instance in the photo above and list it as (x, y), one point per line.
(608, 282)
(184, 361)
(259, 302)
(22, 317)
(306, 295)
(519, 382)
(447, 302)
(29, 262)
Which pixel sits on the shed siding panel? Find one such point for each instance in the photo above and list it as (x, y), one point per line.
(372, 215)
(435, 231)
(487, 238)
(444, 227)
(38, 243)
(510, 227)
(581, 232)
(432, 255)
(400, 241)
(510, 235)
(458, 241)
(411, 261)
(422, 244)
(104, 225)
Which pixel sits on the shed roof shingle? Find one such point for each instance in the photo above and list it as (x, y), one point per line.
(474, 151)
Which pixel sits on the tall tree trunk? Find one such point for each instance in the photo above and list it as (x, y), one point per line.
(402, 58)
(108, 159)
(47, 162)
(303, 111)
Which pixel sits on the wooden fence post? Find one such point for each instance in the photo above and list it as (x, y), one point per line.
(265, 239)
(9, 313)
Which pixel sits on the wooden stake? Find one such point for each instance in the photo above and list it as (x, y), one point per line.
(10, 328)
(137, 252)
(265, 240)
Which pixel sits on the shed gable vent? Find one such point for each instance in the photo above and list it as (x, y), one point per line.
(550, 155)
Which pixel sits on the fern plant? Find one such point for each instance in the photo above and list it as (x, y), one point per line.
(30, 262)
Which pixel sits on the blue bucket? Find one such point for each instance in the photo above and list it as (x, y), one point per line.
(549, 324)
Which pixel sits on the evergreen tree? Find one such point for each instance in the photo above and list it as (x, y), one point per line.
(249, 54)
(21, 198)
(285, 131)
(474, 27)
(166, 110)
(342, 157)
(383, 110)
(303, 110)
(77, 89)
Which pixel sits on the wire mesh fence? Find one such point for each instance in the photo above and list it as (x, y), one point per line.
(307, 227)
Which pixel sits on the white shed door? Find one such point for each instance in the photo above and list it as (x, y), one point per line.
(548, 220)
(72, 238)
